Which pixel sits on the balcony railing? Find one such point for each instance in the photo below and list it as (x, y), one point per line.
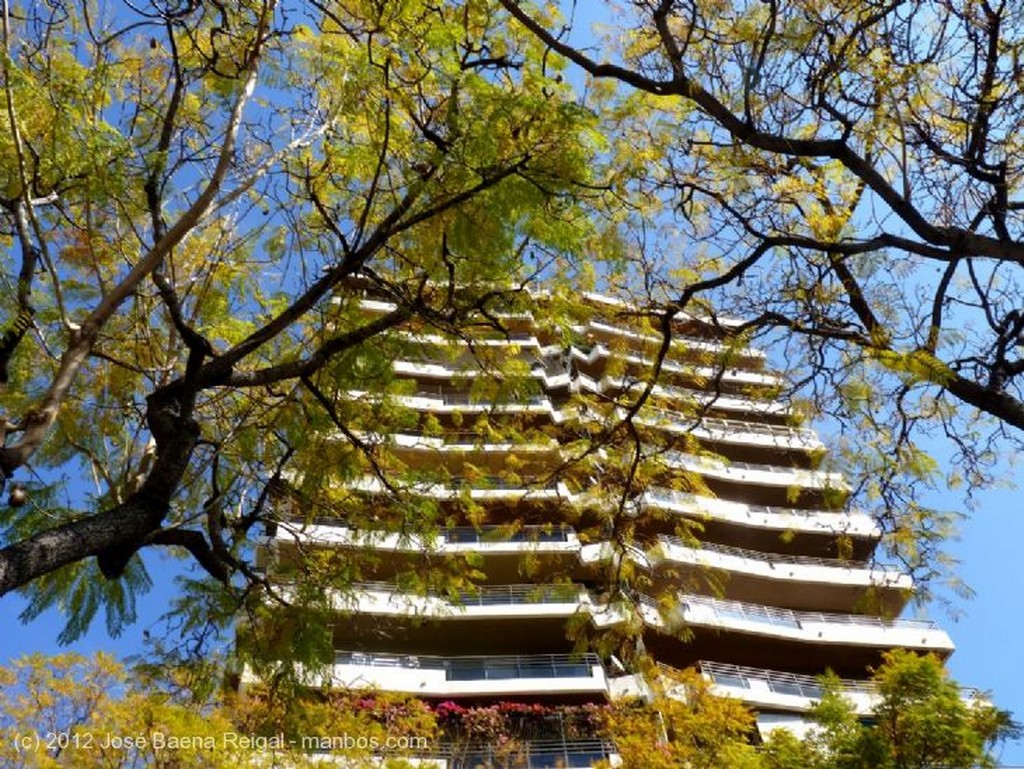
(496, 482)
(728, 427)
(771, 558)
(463, 398)
(686, 499)
(491, 595)
(672, 367)
(718, 400)
(485, 535)
(699, 463)
(535, 754)
(478, 439)
(483, 668)
(779, 682)
(682, 342)
(777, 617)
(492, 534)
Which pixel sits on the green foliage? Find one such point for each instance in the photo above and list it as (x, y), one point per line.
(922, 720)
(689, 726)
(79, 713)
(198, 206)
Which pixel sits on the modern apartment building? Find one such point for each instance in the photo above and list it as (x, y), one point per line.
(613, 530)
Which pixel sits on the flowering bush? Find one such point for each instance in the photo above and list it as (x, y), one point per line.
(519, 721)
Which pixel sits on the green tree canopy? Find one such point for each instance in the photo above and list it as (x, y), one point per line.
(922, 720)
(189, 192)
(195, 196)
(846, 179)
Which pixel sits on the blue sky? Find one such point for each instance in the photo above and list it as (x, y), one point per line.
(988, 634)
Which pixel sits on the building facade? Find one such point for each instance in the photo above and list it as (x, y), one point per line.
(563, 514)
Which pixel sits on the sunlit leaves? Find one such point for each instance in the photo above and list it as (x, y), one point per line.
(920, 719)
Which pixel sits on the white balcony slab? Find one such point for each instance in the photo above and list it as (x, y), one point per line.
(851, 523)
(471, 677)
(815, 573)
(812, 627)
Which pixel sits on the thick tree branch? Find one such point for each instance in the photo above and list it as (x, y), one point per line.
(37, 423)
(958, 239)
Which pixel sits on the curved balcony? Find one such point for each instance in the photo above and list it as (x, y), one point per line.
(790, 581)
(732, 431)
(752, 472)
(819, 628)
(329, 532)
(853, 523)
(475, 676)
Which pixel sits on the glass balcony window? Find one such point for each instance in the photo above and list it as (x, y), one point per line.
(492, 668)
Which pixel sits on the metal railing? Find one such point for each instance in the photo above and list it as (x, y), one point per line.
(686, 499)
(715, 400)
(493, 534)
(779, 682)
(772, 615)
(463, 398)
(733, 426)
(673, 367)
(533, 534)
(489, 595)
(496, 482)
(713, 464)
(533, 754)
(770, 558)
(482, 668)
(684, 341)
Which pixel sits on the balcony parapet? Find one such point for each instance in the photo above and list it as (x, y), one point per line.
(780, 566)
(433, 676)
(721, 430)
(780, 690)
(754, 472)
(817, 627)
(851, 523)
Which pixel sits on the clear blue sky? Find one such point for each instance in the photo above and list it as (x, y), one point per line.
(990, 632)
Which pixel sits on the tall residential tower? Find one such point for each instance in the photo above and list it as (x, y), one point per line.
(612, 529)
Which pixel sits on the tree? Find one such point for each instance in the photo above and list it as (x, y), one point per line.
(921, 721)
(192, 195)
(70, 711)
(691, 727)
(93, 713)
(844, 178)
